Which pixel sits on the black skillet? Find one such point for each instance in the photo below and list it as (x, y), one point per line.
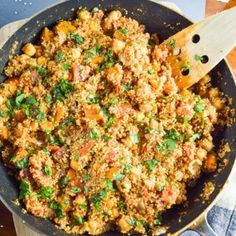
(157, 19)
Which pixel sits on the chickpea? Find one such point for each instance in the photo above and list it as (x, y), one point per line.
(207, 144)
(29, 49)
(140, 116)
(117, 45)
(41, 60)
(201, 153)
(146, 107)
(214, 92)
(218, 103)
(205, 79)
(84, 15)
(125, 227)
(114, 15)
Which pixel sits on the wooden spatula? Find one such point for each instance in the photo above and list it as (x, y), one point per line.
(201, 46)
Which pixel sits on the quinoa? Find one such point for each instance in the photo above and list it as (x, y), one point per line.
(98, 132)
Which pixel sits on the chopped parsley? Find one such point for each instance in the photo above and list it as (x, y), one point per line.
(124, 30)
(150, 71)
(109, 121)
(48, 99)
(92, 52)
(186, 65)
(20, 101)
(77, 38)
(199, 107)
(127, 169)
(47, 171)
(86, 177)
(172, 134)
(62, 90)
(93, 134)
(185, 120)
(198, 58)
(41, 116)
(109, 185)
(60, 56)
(151, 164)
(21, 164)
(25, 189)
(58, 209)
(97, 198)
(127, 87)
(109, 60)
(132, 221)
(194, 137)
(82, 206)
(75, 190)
(41, 71)
(66, 67)
(158, 219)
(166, 146)
(172, 43)
(93, 99)
(46, 192)
(3, 114)
(122, 206)
(63, 182)
(79, 220)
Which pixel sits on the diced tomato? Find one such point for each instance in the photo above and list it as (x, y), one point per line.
(86, 148)
(54, 148)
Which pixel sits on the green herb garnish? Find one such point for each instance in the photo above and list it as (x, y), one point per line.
(21, 164)
(172, 43)
(77, 38)
(93, 134)
(46, 192)
(58, 209)
(97, 198)
(63, 182)
(25, 189)
(60, 56)
(198, 58)
(199, 107)
(151, 164)
(47, 171)
(41, 71)
(62, 90)
(194, 137)
(124, 30)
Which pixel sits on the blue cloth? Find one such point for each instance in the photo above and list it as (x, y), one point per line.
(12, 10)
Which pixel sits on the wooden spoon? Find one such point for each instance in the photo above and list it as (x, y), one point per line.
(201, 46)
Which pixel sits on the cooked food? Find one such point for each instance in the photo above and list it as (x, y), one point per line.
(96, 130)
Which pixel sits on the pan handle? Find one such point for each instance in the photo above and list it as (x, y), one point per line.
(201, 229)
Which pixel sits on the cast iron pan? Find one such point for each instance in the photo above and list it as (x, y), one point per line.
(157, 19)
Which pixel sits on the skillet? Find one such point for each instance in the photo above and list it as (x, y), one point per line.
(157, 19)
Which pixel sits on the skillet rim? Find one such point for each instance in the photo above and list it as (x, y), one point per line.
(18, 209)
